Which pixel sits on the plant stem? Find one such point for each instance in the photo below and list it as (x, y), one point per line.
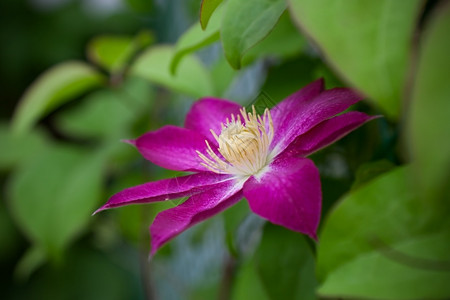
(226, 285)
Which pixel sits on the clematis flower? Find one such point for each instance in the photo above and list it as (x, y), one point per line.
(235, 153)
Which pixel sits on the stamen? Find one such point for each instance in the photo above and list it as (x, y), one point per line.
(243, 144)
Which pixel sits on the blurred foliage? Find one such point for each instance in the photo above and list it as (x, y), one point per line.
(367, 42)
(83, 76)
(245, 23)
(206, 10)
(56, 86)
(398, 252)
(114, 52)
(196, 38)
(430, 106)
(192, 78)
(290, 275)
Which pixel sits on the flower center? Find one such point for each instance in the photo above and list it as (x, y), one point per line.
(244, 145)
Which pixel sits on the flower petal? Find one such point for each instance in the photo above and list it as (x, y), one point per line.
(280, 113)
(171, 222)
(209, 113)
(326, 133)
(288, 194)
(306, 114)
(166, 189)
(173, 148)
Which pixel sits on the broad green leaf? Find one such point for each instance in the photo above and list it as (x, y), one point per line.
(285, 264)
(384, 208)
(112, 52)
(245, 23)
(247, 284)
(103, 114)
(367, 42)
(30, 261)
(383, 212)
(222, 75)
(371, 170)
(52, 197)
(418, 268)
(283, 42)
(191, 78)
(206, 10)
(429, 124)
(195, 38)
(107, 114)
(18, 148)
(54, 87)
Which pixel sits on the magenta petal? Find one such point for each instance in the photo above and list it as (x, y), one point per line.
(326, 133)
(280, 113)
(209, 113)
(166, 189)
(288, 109)
(288, 194)
(173, 148)
(171, 222)
(309, 113)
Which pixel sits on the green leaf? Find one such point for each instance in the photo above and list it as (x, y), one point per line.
(206, 10)
(30, 261)
(367, 204)
(418, 268)
(283, 42)
(233, 218)
(107, 114)
(52, 197)
(285, 263)
(382, 214)
(192, 78)
(222, 75)
(245, 23)
(18, 148)
(367, 42)
(429, 124)
(248, 284)
(369, 171)
(195, 38)
(54, 87)
(112, 52)
(103, 114)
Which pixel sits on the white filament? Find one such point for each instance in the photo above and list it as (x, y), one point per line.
(244, 145)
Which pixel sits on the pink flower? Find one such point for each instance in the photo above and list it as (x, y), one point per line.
(234, 154)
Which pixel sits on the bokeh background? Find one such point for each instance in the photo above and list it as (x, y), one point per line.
(79, 76)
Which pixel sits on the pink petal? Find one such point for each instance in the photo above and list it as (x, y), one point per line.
(173, 148)
(327, 133)
(280, 113)
(209, 113)
(304, 114)
(166, 189)
(288, 194)
(171, 222)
